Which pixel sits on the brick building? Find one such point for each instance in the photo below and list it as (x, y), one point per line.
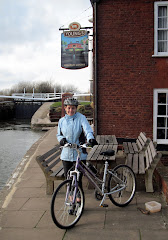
(131, 68)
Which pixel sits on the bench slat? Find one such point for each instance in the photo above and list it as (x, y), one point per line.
(130, 147)
(153, 150)
(49, 168)
(49, 160)
(129, 160)
(134, 146)
(125, 146)
(135, 163)
(147, 160)
(139, 144)
(142, 134)
(141, 164)
(149, 155)
(50, 152)
(61, 173)
(56, 173)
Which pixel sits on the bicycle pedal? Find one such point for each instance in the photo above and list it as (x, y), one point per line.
(104, 205)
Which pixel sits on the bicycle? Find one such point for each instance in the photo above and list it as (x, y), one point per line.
(120, 188)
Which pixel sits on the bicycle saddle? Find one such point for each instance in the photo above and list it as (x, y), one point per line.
(108, 153)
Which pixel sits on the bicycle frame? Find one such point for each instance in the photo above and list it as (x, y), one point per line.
(80, 167)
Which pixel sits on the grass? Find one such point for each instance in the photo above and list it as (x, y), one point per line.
(56, 104)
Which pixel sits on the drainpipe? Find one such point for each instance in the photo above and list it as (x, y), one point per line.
(94, 3)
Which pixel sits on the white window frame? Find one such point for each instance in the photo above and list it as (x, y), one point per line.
(155, 115)
(156, 5)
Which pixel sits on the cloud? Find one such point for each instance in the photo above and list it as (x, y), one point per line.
(30, 40)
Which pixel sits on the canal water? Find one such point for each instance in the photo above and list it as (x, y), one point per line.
(15, 140)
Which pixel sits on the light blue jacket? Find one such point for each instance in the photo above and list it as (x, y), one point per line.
(70, 127)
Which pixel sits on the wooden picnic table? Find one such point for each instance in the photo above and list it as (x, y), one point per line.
(106, 139)
(105, 142)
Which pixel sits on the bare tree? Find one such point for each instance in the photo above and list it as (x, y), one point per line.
(39, 87)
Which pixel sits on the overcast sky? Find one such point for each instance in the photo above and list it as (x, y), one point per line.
(30, 41)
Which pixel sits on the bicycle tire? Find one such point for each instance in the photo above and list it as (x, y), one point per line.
(123, 197)
(64, 214)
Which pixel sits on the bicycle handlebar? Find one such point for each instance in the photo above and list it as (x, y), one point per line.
(76, 146)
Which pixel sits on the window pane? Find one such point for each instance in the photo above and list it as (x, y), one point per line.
(162, 35)
(161, 109)
(161, 122)
(162, 46)
(162, 11)
(160, 134)
(162, 22)
(161, 97)
(162, 17)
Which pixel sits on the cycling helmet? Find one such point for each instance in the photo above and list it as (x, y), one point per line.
(71, 101)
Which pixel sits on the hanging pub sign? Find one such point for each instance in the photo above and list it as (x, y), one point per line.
(74, 47)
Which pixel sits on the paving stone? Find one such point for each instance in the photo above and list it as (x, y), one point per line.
(30, 183)
(16, 204)
(133, 220)
(37, 204)
(21, 219)
(155, 235)
(33, 234)
(29, 192)
(46, 221)
(99, 234)
(92, 220)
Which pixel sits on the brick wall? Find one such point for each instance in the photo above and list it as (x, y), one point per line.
(126, 71)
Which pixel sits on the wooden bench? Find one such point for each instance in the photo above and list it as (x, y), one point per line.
(138, 146)
(145, 163)
(51, 165)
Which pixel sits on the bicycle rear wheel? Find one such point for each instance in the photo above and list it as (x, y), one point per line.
(64, 213)
(123, 185)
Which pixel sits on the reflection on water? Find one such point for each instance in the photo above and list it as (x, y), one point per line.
(15, 139)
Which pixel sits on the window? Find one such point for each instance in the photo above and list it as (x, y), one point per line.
(160, 129)
(161, 29)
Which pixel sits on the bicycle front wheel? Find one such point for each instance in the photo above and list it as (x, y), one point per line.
(122, 185)
(64, 212)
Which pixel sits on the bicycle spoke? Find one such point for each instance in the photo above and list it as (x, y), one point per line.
(121, 185)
